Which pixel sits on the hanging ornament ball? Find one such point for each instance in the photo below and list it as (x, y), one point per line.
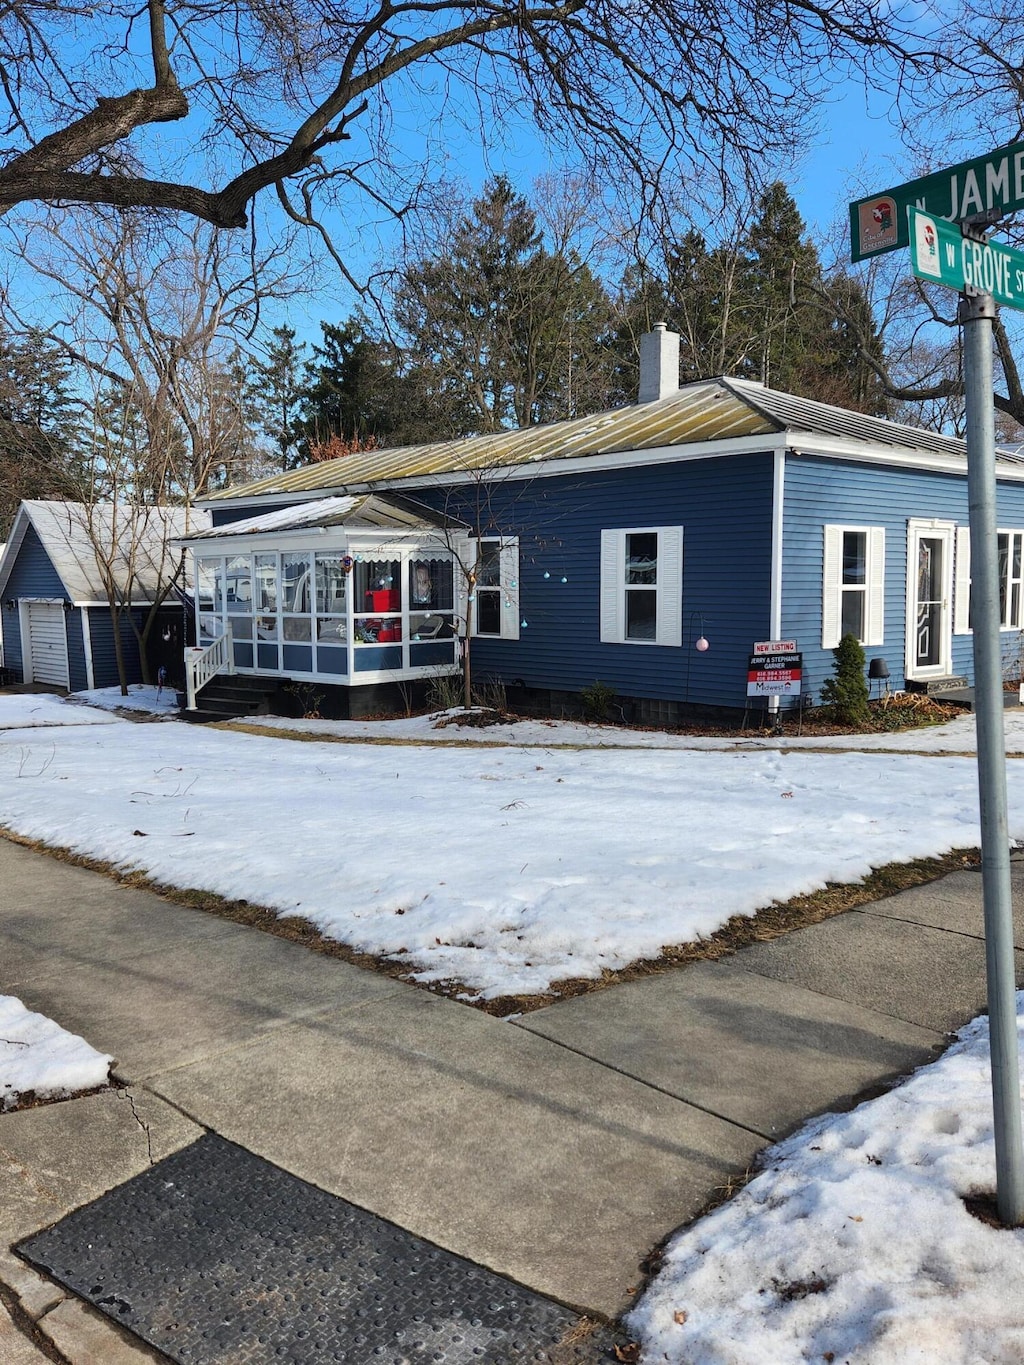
(546, 574)
(524, 624)
(565, 580)
(702, 645)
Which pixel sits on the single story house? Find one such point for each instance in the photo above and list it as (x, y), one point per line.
(55, 569)
(648, 548)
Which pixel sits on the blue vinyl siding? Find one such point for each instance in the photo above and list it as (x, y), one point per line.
(223, 514)
(725, 509)
(77, 675)
(104, 660)
(820, 492)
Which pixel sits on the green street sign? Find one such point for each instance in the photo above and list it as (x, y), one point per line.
(940, 253)
(879, 222)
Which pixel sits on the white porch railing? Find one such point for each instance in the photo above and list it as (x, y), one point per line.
(203, 664)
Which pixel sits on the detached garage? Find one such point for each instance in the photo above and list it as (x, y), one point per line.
(57, 624)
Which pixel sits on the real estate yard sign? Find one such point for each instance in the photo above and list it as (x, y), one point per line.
(774, 672)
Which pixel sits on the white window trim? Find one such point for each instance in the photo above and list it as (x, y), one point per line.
(832, 584)
(962, 581)
(669, 586)
(468, 555)
(1019, 623)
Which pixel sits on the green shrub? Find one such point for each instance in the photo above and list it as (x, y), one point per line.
(597, 700)
(847, 692)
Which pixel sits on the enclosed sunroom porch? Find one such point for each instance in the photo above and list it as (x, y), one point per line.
(343, 591)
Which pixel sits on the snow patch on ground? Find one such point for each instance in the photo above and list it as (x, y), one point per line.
(854, 1244)
(24, 711)
(38, 1056)
(154, 701)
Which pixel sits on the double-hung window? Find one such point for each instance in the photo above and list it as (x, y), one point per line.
(493, 563)
(641, 585)
(853, 597)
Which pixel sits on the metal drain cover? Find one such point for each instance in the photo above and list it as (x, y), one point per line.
(215, 1255)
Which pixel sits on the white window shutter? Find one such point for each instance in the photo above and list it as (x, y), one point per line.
(613, 583)
(874, 628)
(832, 577)
(509, 561)
(670, 586)
(962, 582)
(465, 551)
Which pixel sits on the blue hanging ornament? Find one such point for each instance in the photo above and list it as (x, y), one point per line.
(524, 624)
(564, 579)
(546, 574)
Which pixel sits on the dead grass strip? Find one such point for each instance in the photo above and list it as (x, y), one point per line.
(764, 743)
(740, 931)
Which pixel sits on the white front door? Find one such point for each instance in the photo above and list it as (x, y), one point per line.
(45, 643)
(929, 599)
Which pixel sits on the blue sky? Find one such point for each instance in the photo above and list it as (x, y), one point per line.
(856, 152)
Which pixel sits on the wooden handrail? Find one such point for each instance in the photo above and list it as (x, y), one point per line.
(203, 664)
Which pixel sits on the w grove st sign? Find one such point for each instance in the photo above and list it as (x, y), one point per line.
(938, 252)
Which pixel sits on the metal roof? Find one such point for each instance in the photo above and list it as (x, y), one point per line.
(791, 413)
(362, 511)
(709, 410)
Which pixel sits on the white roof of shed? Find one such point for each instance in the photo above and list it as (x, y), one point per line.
(139, 542)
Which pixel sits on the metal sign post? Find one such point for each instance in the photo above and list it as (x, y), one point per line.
(922, 215)
(976, 313)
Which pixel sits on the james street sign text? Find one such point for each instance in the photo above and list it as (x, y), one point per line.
(993, 182)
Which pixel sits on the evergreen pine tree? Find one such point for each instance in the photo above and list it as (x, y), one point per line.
(847, 692)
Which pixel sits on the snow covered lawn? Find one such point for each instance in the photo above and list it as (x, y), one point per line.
(505, 868)
(854, 1245)
(38, 1057)
(42, 709)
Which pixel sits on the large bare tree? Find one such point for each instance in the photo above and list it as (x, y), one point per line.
(154, 316)
(196, 107)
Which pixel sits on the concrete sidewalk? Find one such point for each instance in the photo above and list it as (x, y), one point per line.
(557, 1149)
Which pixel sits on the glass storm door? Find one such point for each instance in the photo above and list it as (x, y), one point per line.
(929, 626)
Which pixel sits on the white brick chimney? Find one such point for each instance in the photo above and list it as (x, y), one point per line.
(659, 364)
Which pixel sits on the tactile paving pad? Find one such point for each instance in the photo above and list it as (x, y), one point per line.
(215, 1255)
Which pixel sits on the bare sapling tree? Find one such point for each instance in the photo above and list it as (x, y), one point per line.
(489, 558)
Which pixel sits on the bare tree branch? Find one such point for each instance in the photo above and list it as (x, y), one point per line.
(276, 88)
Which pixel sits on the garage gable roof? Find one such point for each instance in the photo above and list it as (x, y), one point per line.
(137, 542)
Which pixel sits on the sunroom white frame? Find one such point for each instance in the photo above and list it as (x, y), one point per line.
(375, 545)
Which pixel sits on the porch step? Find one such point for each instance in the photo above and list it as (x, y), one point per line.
(933, 686)
(229, 697)
(964, 696)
